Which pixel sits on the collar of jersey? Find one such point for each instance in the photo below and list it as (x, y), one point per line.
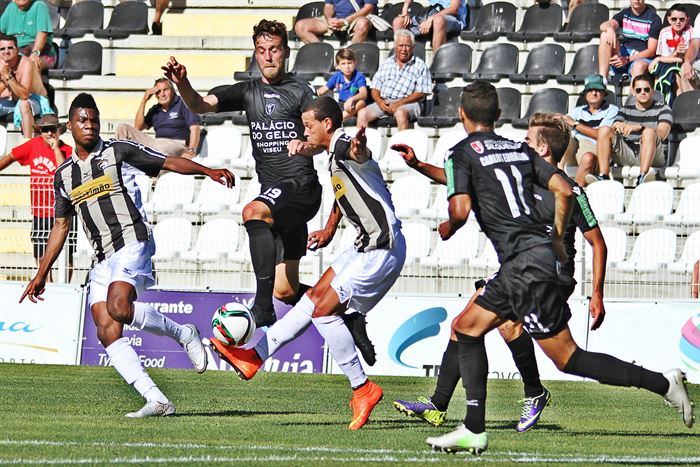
(334, 139)
(98, 149)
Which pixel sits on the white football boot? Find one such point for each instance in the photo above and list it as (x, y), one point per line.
(153, 409)
(195, 350)
(460, 440)
(677, 395)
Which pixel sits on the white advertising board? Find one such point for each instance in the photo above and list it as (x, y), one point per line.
(45, 332)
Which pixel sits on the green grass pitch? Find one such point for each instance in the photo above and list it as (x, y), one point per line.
(75, 415)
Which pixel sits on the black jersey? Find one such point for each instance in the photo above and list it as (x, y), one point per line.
(274, 117)
(500, 175)
(582, 218)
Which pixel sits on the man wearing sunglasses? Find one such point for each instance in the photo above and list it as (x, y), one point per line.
(637, 136)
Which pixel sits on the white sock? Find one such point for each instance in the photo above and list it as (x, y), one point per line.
(339, 340)
(148, 319)
(124, 359)
(286, 329)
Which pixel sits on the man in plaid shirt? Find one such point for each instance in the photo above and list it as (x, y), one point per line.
(398, 87)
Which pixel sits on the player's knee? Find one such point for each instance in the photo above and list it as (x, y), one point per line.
(256, 210)
(107, 335)
(119, 309)
(285, 294)
(510, 331)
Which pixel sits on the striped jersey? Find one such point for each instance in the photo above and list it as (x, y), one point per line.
(638, 29)
(102, 191)
(362, 196)
(649, 118)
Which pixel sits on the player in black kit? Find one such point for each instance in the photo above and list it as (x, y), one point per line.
(495, 177)
(291, 194)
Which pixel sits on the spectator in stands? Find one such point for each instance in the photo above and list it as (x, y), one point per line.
(584, 122)
(177, 128)
(640, 27)
(338, 16)
(21, 91)
(637, 136)
(157, 24)
(348, 82)
(401, 83)
(43, 154)
(690, 69)
(441, 17)
(29, 21)
(673, 43)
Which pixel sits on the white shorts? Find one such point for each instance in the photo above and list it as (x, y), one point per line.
(132, 264)
(362, 279)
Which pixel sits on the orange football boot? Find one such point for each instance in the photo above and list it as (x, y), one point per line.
(364, 400)
(246, 362)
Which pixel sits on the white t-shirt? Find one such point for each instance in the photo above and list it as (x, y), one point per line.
(696, 28)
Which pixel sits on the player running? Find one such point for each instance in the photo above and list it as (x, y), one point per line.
(290, 193)
(98, 184)
(359, 277)
(548, 137)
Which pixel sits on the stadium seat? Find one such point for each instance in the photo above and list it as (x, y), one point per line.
(309, 10)
(437, 209)
(343, 239)
(585, 63)
(686, 116)
(456, 251)
(127, 18)
(367, 56)
(216, 241)
(494, 20)
(649, 203)
(444, 143)
(487, 260)
(497, 62)
(221, 145)
(251, 72)
(374, 140)
(418, 238)
(251, 192)
(83, 18)
(172, 236)
(450, 61)
(390, 12)
(652, 249)
(410, 194)
(543, 63)
(444, 112)
(143, 182)
(544, 100)
(83, 58)
(584, 23)
(415, 138)
(607, 199)
(616, 243)
(171, 193)
(689, 256)
(3, 5)
(312, 60)
(687, 212)
(541, 20)
(213, 198)
(688, 164)
(509, 100)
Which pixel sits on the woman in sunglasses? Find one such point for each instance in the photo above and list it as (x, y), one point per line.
(673, 43)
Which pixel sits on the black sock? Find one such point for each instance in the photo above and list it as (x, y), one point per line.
(303, 288)
(262, 255)
(474, 368)
(610, 370)
(448, 377)
(524, 357)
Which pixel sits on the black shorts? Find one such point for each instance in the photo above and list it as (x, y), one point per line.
(41, 228)
(293, 203)
(528, 288)
(567, 284)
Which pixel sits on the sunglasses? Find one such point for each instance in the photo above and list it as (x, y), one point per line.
(673, 19)
(638, 90)
(9, 47)
(48, 129)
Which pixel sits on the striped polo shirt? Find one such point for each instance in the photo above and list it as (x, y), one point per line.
(102, 191)
(637, 29)
(649, 118)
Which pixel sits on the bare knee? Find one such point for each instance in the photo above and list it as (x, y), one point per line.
(402, 119)
(119, 308)
(255, 210)
(107, 335)
(510, 330)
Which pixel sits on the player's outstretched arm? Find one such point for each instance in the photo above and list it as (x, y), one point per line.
(297, 147)
(57, 238)
(177, 73)
(562, 211)
(436, 174)
(600, 256)
(184, 166)
(459, 208)
(321, 238)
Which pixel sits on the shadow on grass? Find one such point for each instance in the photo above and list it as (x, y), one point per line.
(239, 413)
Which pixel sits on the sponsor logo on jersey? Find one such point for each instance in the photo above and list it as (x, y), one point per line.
(339, 188)
(477, 146)
(268, 95)
(93, 189)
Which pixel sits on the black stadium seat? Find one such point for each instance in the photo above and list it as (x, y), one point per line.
(310, 10)
(367, 56)
(494, 20)
(445, 112)
(544, 100)
(83, 18)
(686, 116)
(541, 20)
(312, 60)
(451, 61)
(127, 18)
(544, 62)
(584, 23)
(82, 58)
(585, 63)
(253, 71)
(498, 61)
(509, 101)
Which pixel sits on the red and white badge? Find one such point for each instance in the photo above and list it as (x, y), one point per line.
(477, 147)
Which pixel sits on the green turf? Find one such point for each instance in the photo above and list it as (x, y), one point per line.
(68, 414)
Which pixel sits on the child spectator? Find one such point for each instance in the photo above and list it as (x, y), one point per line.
(348, 82)
(673, 43)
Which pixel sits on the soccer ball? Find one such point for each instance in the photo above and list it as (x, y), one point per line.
(233, 324)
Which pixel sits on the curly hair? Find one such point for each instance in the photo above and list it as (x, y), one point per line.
(270, 28)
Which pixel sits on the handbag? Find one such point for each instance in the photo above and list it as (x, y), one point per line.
(379, 23)
(426, 13)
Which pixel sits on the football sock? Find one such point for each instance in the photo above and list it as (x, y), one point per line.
(289, 327)
(262, 255)
(148, 319)
(448, 377)
(474, 368)
(339, 340)
(610, 370)
(124, 359)
(524, 357)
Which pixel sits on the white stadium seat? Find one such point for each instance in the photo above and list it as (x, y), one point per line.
(689, 256)
(374, 140)
(410, 194)
(487, 259)
(214, 198)
(460, 248)
(172, 236)
(392, 160)
(650, 202)
(652, 249)
(444, 143)
(418, 238)
(615, 241)
(221, 145)
(172, 192)
(217, 240)
(688, 164)
(251, 192)
(687, 213)
(607, 198)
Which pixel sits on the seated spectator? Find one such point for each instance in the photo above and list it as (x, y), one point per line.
(157, 24)
(177, 128)
(22, 93)
(690, 70)
(640, 27)
(441, 17)
(584, 122)
(29, 21)
(348, 82)
(400, 84)
(637, 136)
(673, 43)
(338, 16)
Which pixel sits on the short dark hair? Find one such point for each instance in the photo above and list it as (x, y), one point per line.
(643, 77)
(270, 28)
(82, 101)
(677, 7)
(552, 130)
(345, 54)
(8, 37)
(480, 103)
(326, 107)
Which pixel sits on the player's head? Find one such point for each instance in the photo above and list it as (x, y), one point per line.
(165, 91)
(479, 104)
(321, 118)
(345, 61)
(271, 49)
(643, 88)
(548, 135)
(84, 121)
